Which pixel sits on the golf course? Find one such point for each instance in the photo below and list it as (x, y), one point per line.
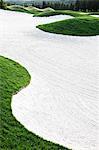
(48, 79)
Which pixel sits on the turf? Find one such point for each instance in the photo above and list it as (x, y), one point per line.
(59, 12)
(79, 26)
(33, 10)
(29, 9)
(17, 8)
(46, 12)
(13, 136)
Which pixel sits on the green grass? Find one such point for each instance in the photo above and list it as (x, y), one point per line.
(30, 9)
(46, 12)
(13, 136)
(33, 10)
(59, 12)
(80, 26)
(17, 8)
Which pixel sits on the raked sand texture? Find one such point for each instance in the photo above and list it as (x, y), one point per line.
(60, 104)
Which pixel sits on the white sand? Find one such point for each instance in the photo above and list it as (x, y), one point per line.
(60, 104)
(95, 16)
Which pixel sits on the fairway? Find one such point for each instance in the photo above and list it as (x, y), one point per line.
(80, 26)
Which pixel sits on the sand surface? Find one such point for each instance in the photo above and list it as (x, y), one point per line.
(95, 16)
(60, 104)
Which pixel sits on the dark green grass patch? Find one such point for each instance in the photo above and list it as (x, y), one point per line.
(13, 136)
(80, 26)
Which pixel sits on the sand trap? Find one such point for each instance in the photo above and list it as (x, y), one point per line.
(60, 104)
(95, 16)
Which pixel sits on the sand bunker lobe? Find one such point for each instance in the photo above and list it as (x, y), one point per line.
(60, 104)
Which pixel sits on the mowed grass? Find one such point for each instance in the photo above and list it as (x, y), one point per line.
(46, 12)
(79, 26)
(17, 8)
(29, 9)
(13, 136)
(59, 12)
(33, 10)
